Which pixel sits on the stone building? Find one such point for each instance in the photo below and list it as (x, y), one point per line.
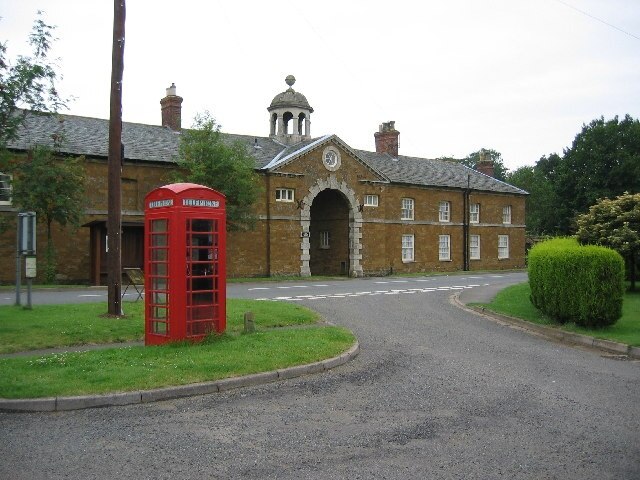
(326, 208)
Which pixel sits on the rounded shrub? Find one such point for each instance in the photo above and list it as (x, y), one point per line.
(573, 283)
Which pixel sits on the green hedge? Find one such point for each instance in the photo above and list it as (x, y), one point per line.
(573, 283)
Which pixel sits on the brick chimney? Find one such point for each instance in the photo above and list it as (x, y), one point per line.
(387, 139)
(485, 164)
(171, 107)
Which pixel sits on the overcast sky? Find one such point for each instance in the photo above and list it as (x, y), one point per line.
(518, 76)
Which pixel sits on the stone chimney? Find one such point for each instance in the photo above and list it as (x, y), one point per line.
(485, 164)
(171, 107)
(387, 139)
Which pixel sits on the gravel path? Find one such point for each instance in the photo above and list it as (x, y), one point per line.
(436, 392)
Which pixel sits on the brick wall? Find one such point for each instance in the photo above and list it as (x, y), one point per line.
(274, 247)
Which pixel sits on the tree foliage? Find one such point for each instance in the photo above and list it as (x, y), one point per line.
(614, 224)
(602, 162)
(53, 188)
(542, 204)
(28, 83)
(206, 159)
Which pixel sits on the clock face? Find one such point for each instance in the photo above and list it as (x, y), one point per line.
(331, 159)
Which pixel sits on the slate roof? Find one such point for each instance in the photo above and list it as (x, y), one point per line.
(153, 143)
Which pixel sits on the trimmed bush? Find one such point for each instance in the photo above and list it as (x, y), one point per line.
(573, 283)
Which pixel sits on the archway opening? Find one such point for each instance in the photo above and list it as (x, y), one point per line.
(285, 119)
(329, 234)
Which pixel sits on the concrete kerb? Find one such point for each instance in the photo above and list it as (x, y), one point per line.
(52, 404)
(550, 332)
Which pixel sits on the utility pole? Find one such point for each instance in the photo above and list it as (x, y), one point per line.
(114, 217)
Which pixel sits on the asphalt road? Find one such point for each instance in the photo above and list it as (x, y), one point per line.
(436, 392)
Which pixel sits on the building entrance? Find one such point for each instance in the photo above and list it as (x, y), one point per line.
(329, 234)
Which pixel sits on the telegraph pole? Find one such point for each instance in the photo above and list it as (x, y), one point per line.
(114, 218)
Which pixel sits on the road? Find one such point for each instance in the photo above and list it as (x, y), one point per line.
(436, 392)
(293, 291)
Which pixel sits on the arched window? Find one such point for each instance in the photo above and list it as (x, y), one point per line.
(274, 122)
(302, 118)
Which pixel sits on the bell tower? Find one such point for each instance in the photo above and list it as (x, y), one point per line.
(290, 116)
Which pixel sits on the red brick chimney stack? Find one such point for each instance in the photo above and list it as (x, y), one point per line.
(171, 107)
(485, 164)
(387, 139)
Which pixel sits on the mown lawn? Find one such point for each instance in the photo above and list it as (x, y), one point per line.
(134, 368)
(515, 301)
(49, 326)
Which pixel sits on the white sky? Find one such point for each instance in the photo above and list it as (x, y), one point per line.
(518, 76)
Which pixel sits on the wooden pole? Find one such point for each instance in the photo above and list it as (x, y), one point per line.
(114, 216)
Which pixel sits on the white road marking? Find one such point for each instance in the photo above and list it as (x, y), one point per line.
(92, 295)
(258, 288)
(394, 291)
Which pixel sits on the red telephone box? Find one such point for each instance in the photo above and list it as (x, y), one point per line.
(185, 263)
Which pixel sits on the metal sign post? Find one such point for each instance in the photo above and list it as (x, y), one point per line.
(30, 273)
(26, 245)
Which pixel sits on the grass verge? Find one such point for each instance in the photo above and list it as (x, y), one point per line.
(515, 302)
(50, 326)
(135, 368)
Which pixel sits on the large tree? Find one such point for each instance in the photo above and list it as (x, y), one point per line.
(615, 224)
(28, 83)
(206, 159)
(53, 187)
(602, 162)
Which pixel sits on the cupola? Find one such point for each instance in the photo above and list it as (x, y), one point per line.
(290, 115)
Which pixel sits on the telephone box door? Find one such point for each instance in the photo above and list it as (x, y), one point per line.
(185, 263)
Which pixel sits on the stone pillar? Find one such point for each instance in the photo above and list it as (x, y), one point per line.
(280, 125)
(294, 125)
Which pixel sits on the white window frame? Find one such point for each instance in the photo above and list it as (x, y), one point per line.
(444, 248)
(407, 209)
(285, 194)
(474, 213)
(503, 247)
(474, 247)
(506, 214)
(408, 248)
(5, 177)
(324, 239)
(371, 200)
(444, 211)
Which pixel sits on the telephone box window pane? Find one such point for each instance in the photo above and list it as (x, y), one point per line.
(159, 298)
(159, 240)
(201, 225)
(159, 255)
(159, 283)
(159, 269)
(159, 225)
(159, 313)
(159, 328)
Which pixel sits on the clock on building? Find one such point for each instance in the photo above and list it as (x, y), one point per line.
(331, 159)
